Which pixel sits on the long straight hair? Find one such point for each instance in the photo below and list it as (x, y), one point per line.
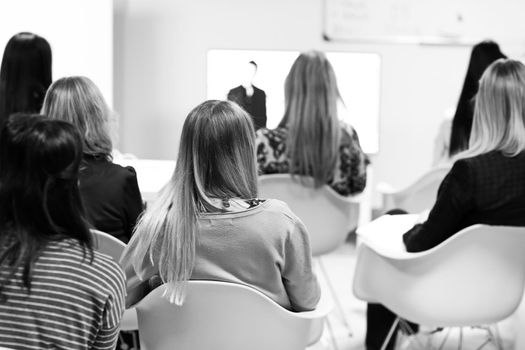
(483, 54)
(311, 97)
(25, 74)
(216, 160)
(39, 195)
(499, 114)
(79, 101)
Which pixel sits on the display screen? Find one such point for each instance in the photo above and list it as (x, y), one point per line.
(358, 77)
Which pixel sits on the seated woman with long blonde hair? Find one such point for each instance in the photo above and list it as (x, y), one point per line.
(208, 224)
(311, 139)
(486, 184)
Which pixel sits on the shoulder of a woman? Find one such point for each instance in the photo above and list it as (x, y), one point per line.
(275, 135)
(348, 133)
(262, 133)
(346, 128)
(279, 209)
(124, 170)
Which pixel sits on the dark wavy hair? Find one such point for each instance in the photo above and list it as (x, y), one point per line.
(25, 74)
(483, 54)
(39, 195)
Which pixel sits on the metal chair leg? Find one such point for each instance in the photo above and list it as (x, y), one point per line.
(331, 332)
(136, 345)
(335, 297)
(403, 324)
(390, 333)
(443, 342)
(499, 340)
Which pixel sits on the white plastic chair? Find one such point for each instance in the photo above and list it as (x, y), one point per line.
(476, 277)
(109, 245)
(224, 316)
(328, 216)
(418, 196)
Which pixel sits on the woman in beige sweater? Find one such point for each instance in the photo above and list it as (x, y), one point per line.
(208, 223)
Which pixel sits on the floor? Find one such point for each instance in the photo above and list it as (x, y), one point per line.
(339, 266)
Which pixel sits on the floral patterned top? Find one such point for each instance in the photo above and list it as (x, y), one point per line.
(350, 168)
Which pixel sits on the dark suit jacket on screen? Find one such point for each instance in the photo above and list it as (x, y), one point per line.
(254, 105)
(486, 189)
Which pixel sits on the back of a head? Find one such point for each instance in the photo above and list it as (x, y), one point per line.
(499, 116)
(79, 101)
(217, 148)
(482, 55)
(216, 160)
(25, 74)
(311, 96)
(39, 196)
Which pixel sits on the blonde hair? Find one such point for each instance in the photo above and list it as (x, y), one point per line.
(311, 96)
(79, 101)
(499, 112)
(216, 160)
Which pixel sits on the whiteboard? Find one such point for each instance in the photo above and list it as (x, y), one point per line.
(461, 22)
(358, 77)
(80, 33)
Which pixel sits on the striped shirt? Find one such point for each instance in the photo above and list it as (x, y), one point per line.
(73, 304)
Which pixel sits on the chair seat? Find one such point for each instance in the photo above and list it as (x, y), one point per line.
(475, 277)
(221, 315)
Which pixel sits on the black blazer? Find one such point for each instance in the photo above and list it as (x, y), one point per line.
(486, 189)
(254, 105)
(111, 196)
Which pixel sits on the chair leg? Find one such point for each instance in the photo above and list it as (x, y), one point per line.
(494, 336)
(136, 345)
(408, 330)
(335, 297)
(444, 341)
(331, 332)
(483, 345)
(390, 333)
(499, 340)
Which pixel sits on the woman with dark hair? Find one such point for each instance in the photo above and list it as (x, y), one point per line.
(55, 291)
(25, 74)
(110, 192)
(454, 137)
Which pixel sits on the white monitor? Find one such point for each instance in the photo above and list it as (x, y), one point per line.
(80, 33)
(358, 77)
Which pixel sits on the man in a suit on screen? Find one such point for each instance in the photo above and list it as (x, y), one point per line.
(249, 97)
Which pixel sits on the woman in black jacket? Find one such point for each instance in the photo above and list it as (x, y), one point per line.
(110, 192)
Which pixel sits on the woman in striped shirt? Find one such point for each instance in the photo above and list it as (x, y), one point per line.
(55, 291)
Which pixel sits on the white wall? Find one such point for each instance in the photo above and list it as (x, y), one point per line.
(160, 72)
(80, 33)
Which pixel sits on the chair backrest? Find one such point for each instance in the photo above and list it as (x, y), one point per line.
(475, 277)
(328, 216)
(107, 244)
(418, 196)
(221, 315)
